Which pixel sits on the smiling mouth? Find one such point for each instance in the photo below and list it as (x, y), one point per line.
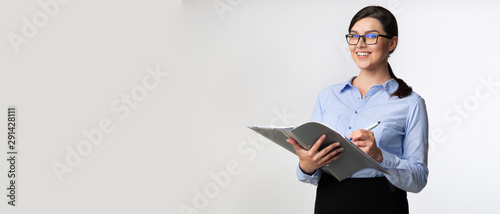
(363, 53)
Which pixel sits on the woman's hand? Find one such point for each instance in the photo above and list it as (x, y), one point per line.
(365, 140)
(312, 159)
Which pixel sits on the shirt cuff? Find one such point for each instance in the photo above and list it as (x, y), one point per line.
(312, 179)
(389, 160)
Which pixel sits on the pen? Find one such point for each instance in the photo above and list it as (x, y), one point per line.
(371, 127)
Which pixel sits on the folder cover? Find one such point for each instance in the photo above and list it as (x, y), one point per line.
(352, 160)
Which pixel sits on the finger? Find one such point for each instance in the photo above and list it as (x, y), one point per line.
(357, 138)
(364, 132)
(370, 134)
(329, 151)
(358, 143)
(334, 155)
(361, 134)
(362, 145)
(295, 146)
(318, 143)
(355, 135)
(329, 148)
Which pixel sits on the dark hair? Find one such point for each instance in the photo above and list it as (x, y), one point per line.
(390, 26)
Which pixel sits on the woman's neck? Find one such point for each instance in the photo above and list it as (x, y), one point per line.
(368, 78)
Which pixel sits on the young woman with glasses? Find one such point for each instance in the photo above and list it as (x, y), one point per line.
(399, 143)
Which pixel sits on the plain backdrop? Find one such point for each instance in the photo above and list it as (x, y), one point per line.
(179, 139)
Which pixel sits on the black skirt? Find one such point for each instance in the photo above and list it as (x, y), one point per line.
(359, 195)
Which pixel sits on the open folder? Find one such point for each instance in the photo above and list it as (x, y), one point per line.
(352, 160)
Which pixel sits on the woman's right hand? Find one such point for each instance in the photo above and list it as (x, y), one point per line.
(312, 159)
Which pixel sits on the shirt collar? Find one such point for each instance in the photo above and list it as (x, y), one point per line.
(347, 84)
(390, 86)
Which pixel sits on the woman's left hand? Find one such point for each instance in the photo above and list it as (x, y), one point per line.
(365, 140)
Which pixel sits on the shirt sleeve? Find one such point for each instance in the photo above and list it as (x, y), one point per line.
(312, 179)
(409, 172)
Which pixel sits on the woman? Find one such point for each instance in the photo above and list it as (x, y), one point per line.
(399, 143)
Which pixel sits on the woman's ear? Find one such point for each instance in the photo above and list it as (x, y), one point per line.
(394, 43)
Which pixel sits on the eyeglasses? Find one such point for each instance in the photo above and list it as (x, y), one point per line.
(369, 39)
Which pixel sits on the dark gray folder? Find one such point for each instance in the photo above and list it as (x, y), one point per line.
(352, 160)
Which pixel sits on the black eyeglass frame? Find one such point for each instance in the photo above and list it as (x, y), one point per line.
(364, 38)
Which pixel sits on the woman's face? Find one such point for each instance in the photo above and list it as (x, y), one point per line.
(371, 57)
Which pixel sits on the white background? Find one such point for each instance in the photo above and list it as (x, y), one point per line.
(255, 62)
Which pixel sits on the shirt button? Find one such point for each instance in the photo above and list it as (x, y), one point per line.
(355, 112)
(350, 127)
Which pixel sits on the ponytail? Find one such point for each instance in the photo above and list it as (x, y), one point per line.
(403, 88)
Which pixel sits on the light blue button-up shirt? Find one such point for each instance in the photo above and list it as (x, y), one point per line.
(402, 135)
